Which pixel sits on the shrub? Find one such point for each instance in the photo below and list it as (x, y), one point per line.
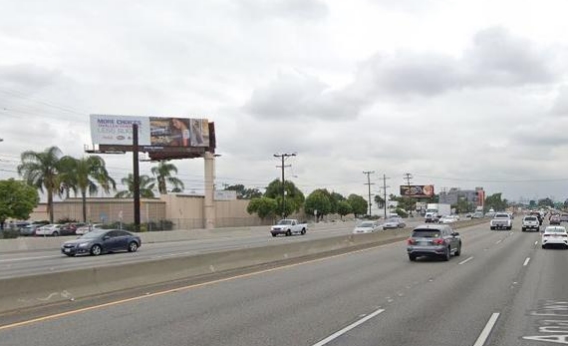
(65, 220)
(401, 212)
(9, 233)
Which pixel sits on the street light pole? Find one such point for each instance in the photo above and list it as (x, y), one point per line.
(283, 158)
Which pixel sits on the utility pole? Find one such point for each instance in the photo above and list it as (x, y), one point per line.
(283, 157)
(368, 183)
(136, 177)
(385, 193)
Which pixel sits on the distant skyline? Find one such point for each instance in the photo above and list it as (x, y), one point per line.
(457, 93)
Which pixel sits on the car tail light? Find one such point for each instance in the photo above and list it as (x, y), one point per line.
(411, 241)
(547, 235)
(439, 241)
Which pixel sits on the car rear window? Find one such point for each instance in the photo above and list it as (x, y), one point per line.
(530, 218)
(426, 233)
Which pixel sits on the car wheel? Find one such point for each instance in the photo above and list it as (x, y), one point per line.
(412, 258)
(523, 229)
(303, 231)
(492, 228)
(288, 233)
(70, 254)
(459, 250)
(447, 255)
(274, 234)
(56, 234)
(96, 250)
(132, 247)
(543, 246)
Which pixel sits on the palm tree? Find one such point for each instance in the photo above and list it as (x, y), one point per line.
(84, 174)
(146, 186)
(41, 170)
(163, 174)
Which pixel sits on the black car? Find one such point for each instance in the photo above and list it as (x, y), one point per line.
(102, 241)
(434, 241)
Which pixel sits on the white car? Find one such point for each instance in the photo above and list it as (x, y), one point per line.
(366, 227)
(449, 219)
(88, 228)
(394, 222)
(555, 236)
(51, 230)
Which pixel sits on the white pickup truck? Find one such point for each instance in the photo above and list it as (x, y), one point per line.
(501, 221)
(288, 227)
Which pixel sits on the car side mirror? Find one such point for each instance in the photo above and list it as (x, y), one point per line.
(455, 234)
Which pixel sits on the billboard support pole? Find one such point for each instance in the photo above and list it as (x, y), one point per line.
(136, 179)
(209, 207)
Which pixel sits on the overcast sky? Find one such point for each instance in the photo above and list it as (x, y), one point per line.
(457, 93)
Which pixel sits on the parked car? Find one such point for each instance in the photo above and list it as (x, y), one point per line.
(102, 241)
(394, 222)
(49, 230)
(70, 228)
(29, 230)
(530, 222)
(434, 241)
(288, 227)
(554, 236)
(88, 228)
(366, 227)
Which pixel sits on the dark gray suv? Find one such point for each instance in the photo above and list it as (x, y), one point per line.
(434, 241)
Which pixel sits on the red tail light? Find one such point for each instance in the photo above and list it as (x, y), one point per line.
(439, 241)
(411, 241)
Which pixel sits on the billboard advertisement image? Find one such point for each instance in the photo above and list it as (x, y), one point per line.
(152, 131)
(417, 191)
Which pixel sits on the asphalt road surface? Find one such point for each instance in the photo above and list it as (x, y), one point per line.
(40, 262)
(503, 290)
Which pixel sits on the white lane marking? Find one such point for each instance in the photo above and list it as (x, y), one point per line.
(526, 261)
(466, 260)
(536, 242)
(348, 328)
(27, 258)
(498, 241)
(487, 330)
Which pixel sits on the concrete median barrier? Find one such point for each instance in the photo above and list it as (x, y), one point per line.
(30, 291)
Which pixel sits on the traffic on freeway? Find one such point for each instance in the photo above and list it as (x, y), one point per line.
(504, 289)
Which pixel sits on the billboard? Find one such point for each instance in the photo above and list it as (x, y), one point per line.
(417, 191)
(158, 132)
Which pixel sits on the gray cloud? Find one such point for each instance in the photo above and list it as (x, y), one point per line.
(27, 76)
(499, 58)
(295, 96)
(560, 106)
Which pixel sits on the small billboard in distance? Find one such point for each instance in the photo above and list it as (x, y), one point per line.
(417, 191)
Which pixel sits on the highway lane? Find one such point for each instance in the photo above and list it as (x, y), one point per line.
(491, 295)
(48, 261)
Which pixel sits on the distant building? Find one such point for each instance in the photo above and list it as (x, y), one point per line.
(475, 197)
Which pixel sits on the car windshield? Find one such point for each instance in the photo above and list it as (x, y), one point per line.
(530, 218)
(366, 224)
(285, 222)
(426, 233)
(500, 216)
(555, 230)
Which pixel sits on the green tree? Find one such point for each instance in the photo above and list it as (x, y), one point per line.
(344, 208)
(17, 200)
(495, 202)
(464, 206)
(294, 199)
(163, 173)
(319, 200)
(379, 201)
(147, 185)
(263, 206)
(546, 202)
(358, 204)
(86, 175)
(41, 170)
(335, 198)
(244, 192)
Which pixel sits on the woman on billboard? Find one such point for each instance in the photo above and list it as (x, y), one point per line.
(180, 132)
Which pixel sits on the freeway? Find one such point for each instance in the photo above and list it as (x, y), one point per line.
(503, 290)
(48, 261)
